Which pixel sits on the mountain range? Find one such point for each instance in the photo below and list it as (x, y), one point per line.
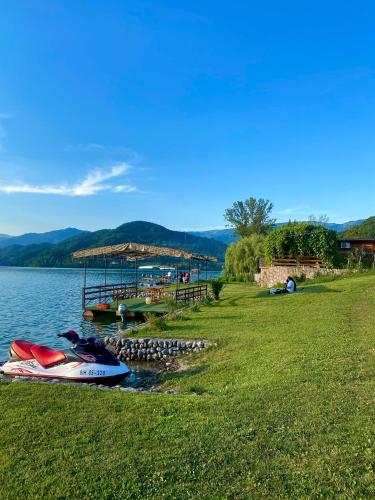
(59, 255)
(226, 236)
(54, 248)
(36, 238)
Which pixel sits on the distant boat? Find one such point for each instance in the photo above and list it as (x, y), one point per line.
(148, 267)
(166, 268)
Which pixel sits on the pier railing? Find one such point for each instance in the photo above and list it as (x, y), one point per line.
(196, 292)
(108, 293)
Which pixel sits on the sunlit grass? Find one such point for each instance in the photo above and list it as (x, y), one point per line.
(282, 406)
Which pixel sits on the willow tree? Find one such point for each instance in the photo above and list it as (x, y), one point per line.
(242, 258)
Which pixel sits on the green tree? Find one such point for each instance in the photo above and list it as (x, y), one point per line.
(242, 258)
(251, 216)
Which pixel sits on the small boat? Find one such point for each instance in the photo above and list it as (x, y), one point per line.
(87, 360)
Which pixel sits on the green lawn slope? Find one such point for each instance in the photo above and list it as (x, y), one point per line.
(282, 407)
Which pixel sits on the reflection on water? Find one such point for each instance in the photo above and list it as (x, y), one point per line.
(37, 303)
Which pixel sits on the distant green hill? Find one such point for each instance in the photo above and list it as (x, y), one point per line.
(47, 255)
(364, 230)
(38, 238)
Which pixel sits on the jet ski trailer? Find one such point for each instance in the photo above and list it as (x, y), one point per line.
(87, 360)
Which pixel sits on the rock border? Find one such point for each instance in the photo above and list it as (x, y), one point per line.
(152, 349)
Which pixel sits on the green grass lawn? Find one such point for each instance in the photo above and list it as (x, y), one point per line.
(282, 407)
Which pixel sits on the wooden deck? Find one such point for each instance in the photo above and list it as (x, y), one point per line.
(136, 307)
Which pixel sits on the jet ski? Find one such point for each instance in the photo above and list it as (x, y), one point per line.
(87, 360)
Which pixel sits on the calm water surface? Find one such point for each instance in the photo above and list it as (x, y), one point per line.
(37, 303)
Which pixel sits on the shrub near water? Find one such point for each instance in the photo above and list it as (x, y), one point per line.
(155, 322)
(172, 305)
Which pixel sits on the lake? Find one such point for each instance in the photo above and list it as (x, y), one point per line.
(38, 303)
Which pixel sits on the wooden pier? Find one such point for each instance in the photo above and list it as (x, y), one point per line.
(136, 305)
(104, 299)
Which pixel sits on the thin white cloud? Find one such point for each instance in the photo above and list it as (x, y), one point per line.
(124, 188)
(92, 184)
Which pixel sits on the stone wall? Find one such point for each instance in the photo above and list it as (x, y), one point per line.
(270, 275)
(152, 349)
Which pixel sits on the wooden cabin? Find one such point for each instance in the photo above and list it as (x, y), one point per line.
(348, 245)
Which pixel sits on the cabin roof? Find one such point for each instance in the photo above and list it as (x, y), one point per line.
(133, 251)
(360, 240)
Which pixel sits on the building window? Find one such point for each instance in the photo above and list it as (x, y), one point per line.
(345, 245)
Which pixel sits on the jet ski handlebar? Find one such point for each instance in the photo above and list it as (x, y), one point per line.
(71, 335)
(74, 338)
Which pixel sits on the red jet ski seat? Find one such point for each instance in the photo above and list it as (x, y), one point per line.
(23, 349)
(47, 357)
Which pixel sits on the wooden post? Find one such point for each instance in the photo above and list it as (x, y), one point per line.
(136, 278)
(105, 279)
(84, 284)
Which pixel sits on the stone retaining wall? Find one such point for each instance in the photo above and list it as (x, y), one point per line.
(270, 275)
(151, 349)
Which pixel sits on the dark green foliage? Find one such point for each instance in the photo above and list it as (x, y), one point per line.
(47, 255)
(251, 216)
(207, 301)
(296, 240)
(216, 288)
(364, 230)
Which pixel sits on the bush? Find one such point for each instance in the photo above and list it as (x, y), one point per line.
(172, 305)
(156, 322)
(216, 288)
(297, 240)
(207, 301)
(360, 260)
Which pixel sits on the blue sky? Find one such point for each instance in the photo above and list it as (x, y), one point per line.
(169, 111)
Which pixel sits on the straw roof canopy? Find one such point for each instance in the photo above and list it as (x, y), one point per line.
(132, 251)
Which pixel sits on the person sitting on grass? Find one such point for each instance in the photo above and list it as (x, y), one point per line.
(290, 287)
